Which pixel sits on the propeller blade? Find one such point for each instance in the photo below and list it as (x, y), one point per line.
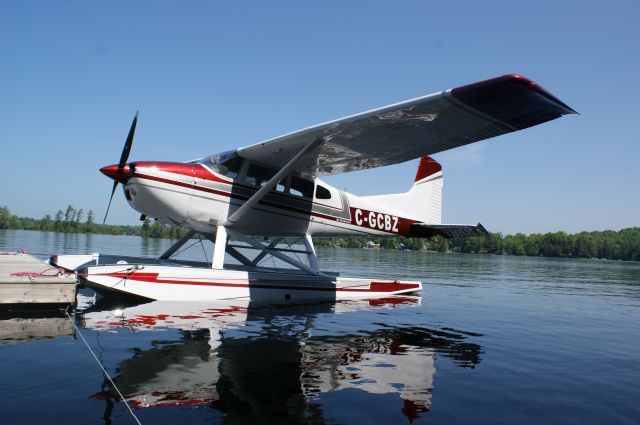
(127, 145)
(115, 185)
(123, 160)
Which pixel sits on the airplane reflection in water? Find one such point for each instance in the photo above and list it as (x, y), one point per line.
(273, 364)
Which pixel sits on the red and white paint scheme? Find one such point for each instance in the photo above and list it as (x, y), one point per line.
(259, 195)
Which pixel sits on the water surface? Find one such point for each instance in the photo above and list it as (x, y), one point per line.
(493, 339)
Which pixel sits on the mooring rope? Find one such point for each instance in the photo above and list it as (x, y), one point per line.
(104, 371)
(59, 271)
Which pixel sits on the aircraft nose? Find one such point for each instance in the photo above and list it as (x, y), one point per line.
(113, 172)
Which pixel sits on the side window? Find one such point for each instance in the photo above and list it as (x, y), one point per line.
(257, 175)
(322, 192)
(301, 187)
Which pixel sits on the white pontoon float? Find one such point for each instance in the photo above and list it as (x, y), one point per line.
(165, 278)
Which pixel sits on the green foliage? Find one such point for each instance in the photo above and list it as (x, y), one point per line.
(90, 217)
(8, 220)
(620, 245)
(71, 222)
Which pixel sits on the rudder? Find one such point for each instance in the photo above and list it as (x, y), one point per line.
(423, 201)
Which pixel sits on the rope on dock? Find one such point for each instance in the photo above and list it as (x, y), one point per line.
(104, 371)
(57, 271)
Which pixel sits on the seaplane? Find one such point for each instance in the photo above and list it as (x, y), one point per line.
(252, 202)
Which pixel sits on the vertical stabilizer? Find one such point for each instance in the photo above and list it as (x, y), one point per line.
(423, 201)
(427, 167)
(426, 192)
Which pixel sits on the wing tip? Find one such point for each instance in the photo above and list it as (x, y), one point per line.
(482, 95)
(537, 87)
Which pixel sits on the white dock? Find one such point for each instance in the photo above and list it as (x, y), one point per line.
(26, 280)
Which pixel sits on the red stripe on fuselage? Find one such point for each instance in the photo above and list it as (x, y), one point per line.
(192, 170)
(383, 222)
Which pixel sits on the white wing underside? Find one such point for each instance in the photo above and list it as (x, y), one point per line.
(414, 128)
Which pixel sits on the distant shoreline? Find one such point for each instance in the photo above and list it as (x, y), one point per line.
(611, 245)
(608, 244)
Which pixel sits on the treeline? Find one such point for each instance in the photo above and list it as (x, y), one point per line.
(77, 221)
(612, 245)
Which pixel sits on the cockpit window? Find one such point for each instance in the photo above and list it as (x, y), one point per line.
(225, 163)
(232, 166)
(322, 192)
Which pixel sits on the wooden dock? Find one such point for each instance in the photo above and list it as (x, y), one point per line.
(29, 282)
(28, 328)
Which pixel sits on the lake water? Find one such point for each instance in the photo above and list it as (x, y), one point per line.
(492, 340)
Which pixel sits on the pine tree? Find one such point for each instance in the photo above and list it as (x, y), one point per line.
(46, 224)
(71, 212)
(90, 224)
(144, 232)
(57, 225)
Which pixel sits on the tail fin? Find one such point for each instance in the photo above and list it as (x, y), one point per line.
(425, 196)
(424, 200)
(427, 167)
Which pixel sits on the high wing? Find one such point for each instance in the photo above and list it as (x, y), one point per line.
(414, 128)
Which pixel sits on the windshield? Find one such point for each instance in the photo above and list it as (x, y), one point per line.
(226, 163)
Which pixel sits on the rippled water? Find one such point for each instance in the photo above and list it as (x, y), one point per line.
(493, 339)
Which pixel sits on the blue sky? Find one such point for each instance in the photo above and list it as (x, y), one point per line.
(212, 76)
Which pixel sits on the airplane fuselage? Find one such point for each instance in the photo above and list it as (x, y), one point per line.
(194, 196)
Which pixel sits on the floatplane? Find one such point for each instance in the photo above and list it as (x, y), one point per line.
(252, 201)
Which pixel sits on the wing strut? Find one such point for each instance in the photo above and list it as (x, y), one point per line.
(271, 184)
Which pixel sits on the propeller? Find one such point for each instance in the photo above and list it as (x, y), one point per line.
(123, 160)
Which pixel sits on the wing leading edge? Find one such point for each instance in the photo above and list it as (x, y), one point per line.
(414, 128)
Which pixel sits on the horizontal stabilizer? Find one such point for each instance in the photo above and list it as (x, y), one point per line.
(447, 231)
